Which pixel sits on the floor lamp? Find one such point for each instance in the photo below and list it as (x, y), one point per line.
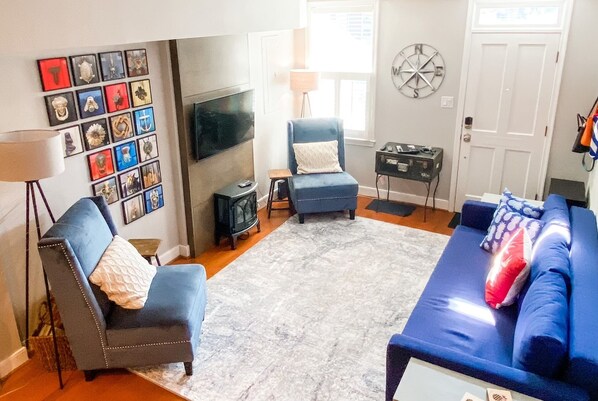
(29, 156)
(304, 81)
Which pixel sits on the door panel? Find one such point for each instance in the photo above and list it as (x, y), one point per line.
(509, 87)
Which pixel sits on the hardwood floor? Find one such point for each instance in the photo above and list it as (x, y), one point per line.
(31, 382)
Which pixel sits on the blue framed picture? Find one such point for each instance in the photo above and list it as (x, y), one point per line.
(144, 121)
(125, 155)
(154, 199)
(91, 102)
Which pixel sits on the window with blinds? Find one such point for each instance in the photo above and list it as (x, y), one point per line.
(341, 43)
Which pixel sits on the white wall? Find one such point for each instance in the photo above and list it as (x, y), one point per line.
(26, 110)
(28, 25)
(579, 90)
(271, 58)
(438, 23)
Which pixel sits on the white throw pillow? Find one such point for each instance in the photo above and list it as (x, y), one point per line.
(317, 157)
(123, 274)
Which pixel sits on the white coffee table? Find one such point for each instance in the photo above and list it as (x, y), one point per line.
(423, 381)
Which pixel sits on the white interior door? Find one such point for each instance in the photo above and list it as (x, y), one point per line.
(509, 88)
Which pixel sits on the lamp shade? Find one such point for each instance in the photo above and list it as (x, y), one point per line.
(30, 155)
(304, 80)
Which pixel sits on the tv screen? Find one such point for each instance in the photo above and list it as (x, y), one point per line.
(222, 123)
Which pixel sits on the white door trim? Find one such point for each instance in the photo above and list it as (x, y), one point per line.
(569, 4)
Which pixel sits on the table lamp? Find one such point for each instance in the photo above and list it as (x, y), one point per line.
(28, 156)
(304, 81)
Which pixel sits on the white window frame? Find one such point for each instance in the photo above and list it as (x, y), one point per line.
(481, 4)
(370, 78)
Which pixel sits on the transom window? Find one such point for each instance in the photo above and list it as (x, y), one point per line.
(531, 14)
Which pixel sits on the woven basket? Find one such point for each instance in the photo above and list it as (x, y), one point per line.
(43, 345)
(44, 352)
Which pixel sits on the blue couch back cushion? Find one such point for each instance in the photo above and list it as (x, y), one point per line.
(88, 233)
(541, 333)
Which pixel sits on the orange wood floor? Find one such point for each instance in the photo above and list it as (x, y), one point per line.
(31, 382)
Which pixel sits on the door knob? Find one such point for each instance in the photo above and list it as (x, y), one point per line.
(467, 137)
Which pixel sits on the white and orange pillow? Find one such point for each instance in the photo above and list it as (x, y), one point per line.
(510, 269)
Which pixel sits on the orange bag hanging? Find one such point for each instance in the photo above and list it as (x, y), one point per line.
(586, 138)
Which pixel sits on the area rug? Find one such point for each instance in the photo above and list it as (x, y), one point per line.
(397, 209)
(306, 314)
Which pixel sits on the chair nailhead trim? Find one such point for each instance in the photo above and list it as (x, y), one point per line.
(150, 344)
(84, 297)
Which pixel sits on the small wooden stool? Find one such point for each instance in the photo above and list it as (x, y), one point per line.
(277, 175)
(147, 248)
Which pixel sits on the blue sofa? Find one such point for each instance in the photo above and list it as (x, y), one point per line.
(545, 345)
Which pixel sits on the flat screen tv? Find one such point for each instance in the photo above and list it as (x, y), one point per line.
(222, 123)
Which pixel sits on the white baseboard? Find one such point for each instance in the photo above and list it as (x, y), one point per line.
(184, 250)
(174, 252)
(262, 202)
(18, 358)
(403, 197)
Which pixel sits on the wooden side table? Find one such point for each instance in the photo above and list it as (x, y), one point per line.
(277, 175)
(147, 248)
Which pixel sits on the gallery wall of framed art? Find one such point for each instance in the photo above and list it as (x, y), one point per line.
(101, 103)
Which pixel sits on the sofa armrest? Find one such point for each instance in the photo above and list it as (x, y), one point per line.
(478, 215)
(401, 348)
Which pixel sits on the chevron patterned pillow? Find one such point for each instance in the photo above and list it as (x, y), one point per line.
(317, 157)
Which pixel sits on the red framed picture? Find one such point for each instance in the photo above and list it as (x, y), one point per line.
(100, 164)
(117, 97)
(54, 73)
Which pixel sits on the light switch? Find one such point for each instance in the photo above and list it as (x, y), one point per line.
(446, 102)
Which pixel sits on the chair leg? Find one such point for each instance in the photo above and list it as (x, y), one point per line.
(352, 214)
(188, 368)
(90, 375)
(301, 218)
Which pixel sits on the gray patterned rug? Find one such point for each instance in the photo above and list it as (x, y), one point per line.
(307, 312)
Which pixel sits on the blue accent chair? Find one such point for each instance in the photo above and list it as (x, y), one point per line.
(101, 334)
(323, 192)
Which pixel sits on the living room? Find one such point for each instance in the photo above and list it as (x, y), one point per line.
(249, 47)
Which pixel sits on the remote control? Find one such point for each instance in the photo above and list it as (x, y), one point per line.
(244, 184)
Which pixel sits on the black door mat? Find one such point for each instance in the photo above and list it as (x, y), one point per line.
(455, 221)
(397, 209)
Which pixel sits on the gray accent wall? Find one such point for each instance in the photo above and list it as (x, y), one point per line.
(203, 69)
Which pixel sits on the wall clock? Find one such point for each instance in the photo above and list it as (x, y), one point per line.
(418, 70)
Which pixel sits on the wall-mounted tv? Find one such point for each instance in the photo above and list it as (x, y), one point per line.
(222, 123)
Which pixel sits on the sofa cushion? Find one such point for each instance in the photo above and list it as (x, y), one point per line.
(323, 186)
(123, 274)
(541, 334)
(165, 317)
(521, 206)
(452, 311)
(504, 224)
(510, 269)
(317, 157)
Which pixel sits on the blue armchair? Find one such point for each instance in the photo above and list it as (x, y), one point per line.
(320, 192)
(102, 334)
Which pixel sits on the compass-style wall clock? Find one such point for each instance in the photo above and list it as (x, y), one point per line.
(418, 70)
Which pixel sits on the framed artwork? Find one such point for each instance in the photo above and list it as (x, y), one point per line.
(71, 141)
(133, 209)
(112, 66)
(85, 69)
(125, 155)
(107, 189)
(137, 62)
(129, 183)
(54, 73)
(117, 97)
(148, 148)
(144, 120)
(100, 164)
(121, 127)
(153, 198)
(61, 108)
(151, 174)
(91, 102)
(141, 92)
(95, 134)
